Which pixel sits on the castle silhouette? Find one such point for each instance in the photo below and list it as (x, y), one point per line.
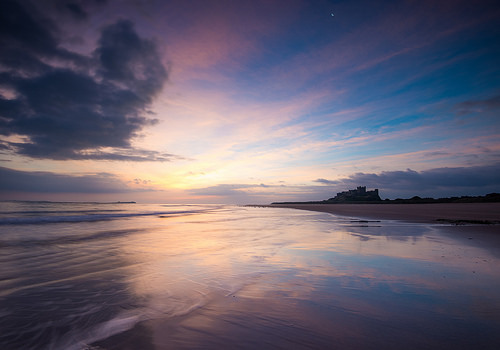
(359, 194)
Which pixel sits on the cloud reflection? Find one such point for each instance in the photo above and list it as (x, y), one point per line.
(259, 268)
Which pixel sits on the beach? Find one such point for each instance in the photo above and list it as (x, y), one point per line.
(461, 213)
(142, 276)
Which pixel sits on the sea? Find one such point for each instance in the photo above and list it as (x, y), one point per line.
(101, 276)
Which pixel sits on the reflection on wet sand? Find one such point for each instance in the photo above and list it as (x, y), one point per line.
(279, 278)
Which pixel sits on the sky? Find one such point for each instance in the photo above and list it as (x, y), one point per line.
(239, 102)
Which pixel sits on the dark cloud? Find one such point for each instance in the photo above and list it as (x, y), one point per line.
(70, 106)
(436, 154)
(476, 180)
(76, 11)
(142, 182)
(4, 146)
(326, 182)
(47, 182)
(474, 106)
(127, 59)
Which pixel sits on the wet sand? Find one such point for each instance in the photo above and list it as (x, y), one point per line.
(220, 277)
(459, 220)
(278, 278)
(425, 213)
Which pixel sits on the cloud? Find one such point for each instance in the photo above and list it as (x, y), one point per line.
(138, 181)
(236, 193)
(48, 182)
(474, 106)
(223, 190)
(230, 189)
(76, 10)
(79, 10)
(435, 182)
(71, 106)
(327, 182)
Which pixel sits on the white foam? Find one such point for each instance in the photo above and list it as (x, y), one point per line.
(100, 331)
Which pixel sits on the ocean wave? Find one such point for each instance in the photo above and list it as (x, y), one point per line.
(72, 239)
(59, 211)
(51, 219)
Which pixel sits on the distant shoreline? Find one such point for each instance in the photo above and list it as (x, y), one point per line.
(452, 213)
